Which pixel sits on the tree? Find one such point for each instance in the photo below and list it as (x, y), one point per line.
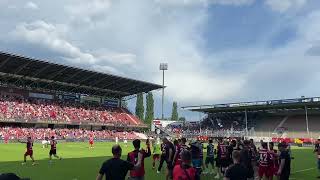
(182, 119)
(149, 108)
(140, 107)
(174, 115)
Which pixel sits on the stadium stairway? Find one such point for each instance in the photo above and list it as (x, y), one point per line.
(140, 135)
(166, 132)
(129, 115)
(281, 123)
(266, 126)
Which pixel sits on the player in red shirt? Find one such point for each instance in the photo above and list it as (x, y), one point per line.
(222, 157)
(133, 158)
(274, 159)
(29, 151)
(264, 162)
(183, 145)
(91, 142)
(53, 149)
(6, 138)
(184, 171)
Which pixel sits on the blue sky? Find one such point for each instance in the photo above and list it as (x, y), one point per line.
(218, 50)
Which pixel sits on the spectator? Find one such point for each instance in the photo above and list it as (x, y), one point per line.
(246, 155)
(62, 111)
(285, 162)
(116, 168)
(169, 153)
(138, 174)
(317, 150)
(162, 157)
(42, 133)
(184, 171)
(236, 171)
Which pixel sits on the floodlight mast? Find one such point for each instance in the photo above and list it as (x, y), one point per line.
(163, 67)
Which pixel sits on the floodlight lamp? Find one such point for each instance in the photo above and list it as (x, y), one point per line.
(163, 66)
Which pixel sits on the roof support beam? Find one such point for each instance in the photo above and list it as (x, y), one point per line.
(99, 81)
(40, 71)
(123, 85)
(4, 62)
(113, 82)
(132, 87)
(20, 68)
(73, 75)
(57, 73)
(87, 78)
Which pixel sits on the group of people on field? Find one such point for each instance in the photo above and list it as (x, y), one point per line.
(234, 160)
(29, 150)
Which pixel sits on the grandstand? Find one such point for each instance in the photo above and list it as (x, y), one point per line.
(285, 118)
(39, 94)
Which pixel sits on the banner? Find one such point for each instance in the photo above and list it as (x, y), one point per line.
(90, 99)
(40, 95)
(111, 102)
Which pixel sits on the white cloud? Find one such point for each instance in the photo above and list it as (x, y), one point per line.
(88, 11)
(204, 2)
(45, 34)
(53, 38)
(133, 38)
(285, 5)
(31, 5)
(116, 58)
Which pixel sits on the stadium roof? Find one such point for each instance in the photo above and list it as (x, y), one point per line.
(34, 73)
(285, 104)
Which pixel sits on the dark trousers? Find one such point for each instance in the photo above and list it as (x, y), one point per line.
(284, 176)
(162, 159)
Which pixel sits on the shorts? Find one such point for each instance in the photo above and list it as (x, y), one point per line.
(28, 153)
(196, 163)
(274, 170)
(224, 163)
(156, 156)
(265, 171)
(91, 142)
(53, 152)
(319, 164)
(209, 160)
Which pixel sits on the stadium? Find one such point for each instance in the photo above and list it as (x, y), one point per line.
(82, 95)
(42, 99)
(286, 118)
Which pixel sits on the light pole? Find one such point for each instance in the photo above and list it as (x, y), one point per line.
(163, 67)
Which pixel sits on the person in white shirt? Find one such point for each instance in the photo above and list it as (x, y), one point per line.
(45, 143)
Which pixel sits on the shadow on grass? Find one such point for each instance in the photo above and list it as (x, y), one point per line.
(65, 169)
(69, 169)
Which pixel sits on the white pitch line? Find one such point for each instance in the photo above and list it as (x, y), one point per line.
(303, 170)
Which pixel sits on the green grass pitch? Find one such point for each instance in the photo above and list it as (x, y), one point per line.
(81, 163)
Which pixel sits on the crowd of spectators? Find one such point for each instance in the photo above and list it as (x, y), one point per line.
(63, 111)
(11, 133)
